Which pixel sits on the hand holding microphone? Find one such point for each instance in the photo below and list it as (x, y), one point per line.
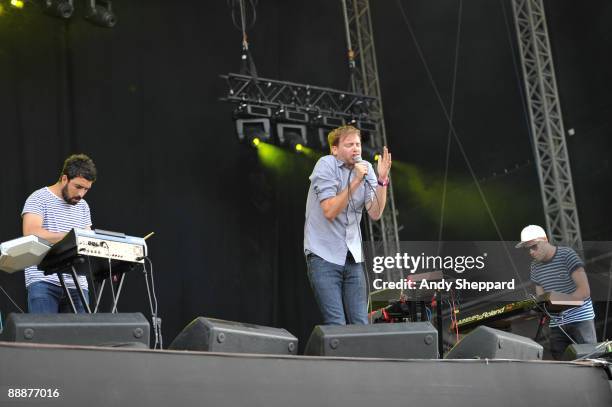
(361, 168)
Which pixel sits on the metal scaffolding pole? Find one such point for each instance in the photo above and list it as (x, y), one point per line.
(546, 121)
(364, 80)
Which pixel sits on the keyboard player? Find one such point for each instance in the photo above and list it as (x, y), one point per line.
(559, 269)
(49, 213)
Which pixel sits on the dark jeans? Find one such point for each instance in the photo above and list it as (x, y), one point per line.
(581, 332)
(340, 291)
(47, 298)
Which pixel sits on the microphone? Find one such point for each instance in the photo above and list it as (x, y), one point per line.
(359, 159)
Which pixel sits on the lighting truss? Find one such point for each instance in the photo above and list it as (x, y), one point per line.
(298, 102)
(546, 122)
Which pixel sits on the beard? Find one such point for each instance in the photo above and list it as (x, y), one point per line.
(69, 200)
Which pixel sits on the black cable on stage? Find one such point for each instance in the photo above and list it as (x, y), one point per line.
(452, 113)
(110, 273)
(457, 139)
(365, 263)
(351, 204)
(243, 26)
(358, 224)
(91, 277)
(11, 300)
(598, 348)
(247, 63)
(153, 316)
(517, 75)
(545, 311)
(157, 323)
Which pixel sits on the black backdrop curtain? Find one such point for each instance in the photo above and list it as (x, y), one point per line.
(142, 100)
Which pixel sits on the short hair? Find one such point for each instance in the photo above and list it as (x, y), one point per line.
(79, 165)
(337, 134)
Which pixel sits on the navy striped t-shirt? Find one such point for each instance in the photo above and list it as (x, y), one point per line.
(556, 275)
(58, 216)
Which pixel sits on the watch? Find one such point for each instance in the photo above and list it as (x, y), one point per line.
(383, 183)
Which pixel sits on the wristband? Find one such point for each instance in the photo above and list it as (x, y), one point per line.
(383, 183)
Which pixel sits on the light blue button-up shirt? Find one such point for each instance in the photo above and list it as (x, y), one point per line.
(331, 240)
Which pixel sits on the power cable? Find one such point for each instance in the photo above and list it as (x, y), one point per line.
(11, 300)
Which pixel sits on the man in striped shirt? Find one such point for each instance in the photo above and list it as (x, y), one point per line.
(559, 269)
(50, 213)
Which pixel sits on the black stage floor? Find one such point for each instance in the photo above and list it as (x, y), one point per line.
(88, 377)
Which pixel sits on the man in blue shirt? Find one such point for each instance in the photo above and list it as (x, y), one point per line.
(341, 186)
(558, 269)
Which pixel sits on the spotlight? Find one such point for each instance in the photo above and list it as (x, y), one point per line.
(253, 131)
(326, 124)
(332, 122)
(367, 126)
(17, 3)
(59, 8)
(322, 139)
(101, 15)
(262, 111)
(369, 153)
(292, 135)
(292, 115)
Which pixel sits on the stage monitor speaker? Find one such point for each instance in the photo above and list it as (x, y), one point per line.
(410, 340)
(488, 343)
(129, 330)
(216, 335)
(587, 351)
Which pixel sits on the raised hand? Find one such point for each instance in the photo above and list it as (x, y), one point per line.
(384, 164)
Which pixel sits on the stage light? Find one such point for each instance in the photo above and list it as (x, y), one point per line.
(292, 115)
(59, 8)
(299, 147)
(369, 153)
(253, 131)
(101, 15)
(323, 125)
(367, 126)
(291, 135)
(17, 3)
(376, 157)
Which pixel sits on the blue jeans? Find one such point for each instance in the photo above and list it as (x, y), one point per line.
(581, 332)
(340, 291)
(47, 298)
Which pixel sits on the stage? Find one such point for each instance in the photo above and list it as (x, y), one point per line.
(96, 376)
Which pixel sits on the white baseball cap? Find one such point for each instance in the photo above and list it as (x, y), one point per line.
(531, 233)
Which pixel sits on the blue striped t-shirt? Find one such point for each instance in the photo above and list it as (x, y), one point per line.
(556, 275)
(58, 216)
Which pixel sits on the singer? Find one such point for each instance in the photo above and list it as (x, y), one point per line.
(341, 186)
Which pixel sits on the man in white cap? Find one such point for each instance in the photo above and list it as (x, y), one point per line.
(559, 269)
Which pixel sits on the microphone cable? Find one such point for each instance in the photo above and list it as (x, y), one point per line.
(358, 225)
(355, 211)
